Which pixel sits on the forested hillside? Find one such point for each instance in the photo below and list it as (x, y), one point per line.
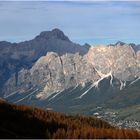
(28, 122)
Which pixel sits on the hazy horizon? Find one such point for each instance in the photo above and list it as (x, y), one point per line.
(82, 21)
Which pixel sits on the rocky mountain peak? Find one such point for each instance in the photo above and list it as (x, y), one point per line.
(55, 63)
(17, 56)
(55, 34)
(120, 43)
(121, 60)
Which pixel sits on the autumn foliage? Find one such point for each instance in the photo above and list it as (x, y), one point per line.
(28, 122)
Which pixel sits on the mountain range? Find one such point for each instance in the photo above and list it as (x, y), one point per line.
(52, 72)
(15, 56)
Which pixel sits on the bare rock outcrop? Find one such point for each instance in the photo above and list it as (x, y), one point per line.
(121, 60)
(53, 73)
(51, 63)
(17, 56)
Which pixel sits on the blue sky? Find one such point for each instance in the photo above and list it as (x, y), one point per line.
(82, 21)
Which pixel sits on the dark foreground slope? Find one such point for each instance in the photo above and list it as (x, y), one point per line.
(27, 122)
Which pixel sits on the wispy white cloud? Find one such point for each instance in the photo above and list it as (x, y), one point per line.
(79, 20)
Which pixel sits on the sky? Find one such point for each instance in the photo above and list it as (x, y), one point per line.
(93, 22)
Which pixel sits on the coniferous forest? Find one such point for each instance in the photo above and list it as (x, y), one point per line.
(19, 121)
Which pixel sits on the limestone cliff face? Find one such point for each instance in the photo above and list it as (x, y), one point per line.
(17, 56)
(54, 73)
(121, 60)
(52, 63)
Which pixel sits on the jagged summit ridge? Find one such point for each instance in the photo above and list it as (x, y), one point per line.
(121, 60)
(52, 63)
(17, 56)
(133, 45)
(55, 73)
(55, 33)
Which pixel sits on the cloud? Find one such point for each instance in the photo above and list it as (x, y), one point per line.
(84, 20)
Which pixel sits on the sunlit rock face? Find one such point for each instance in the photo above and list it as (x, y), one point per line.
(17, 56)
(51, 63)
(120, 60)
(53, 73)
(138, 60)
